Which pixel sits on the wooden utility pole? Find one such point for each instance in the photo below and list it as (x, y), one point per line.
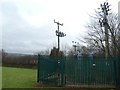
(59, 33)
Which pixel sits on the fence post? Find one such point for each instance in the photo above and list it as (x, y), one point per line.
(38, 68)
(62, 71)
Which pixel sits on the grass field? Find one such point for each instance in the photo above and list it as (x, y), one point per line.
(0, 77)
(18, 77)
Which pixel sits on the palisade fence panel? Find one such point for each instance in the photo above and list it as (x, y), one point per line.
(84, 71)
(88, 71)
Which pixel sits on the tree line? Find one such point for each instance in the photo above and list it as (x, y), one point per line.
(27, 61)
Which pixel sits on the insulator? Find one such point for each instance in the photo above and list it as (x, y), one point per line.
(59, 33)
(107, 3)
(104, 3)
(56, 31)
(102, 8)
(106, 13)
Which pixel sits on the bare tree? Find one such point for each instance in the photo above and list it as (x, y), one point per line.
(45, 52)
(96, 34)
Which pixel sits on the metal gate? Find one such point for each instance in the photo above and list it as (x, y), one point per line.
(83, 72)
(47, 69)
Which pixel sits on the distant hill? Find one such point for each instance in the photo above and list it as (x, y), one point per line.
(16, 55)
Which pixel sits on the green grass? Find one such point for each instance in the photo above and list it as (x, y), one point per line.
(26, 78)
(0, 77)
(18, 77)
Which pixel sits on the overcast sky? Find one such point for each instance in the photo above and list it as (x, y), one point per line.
(27, 26)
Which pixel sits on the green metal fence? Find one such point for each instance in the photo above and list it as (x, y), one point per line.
(79, 72)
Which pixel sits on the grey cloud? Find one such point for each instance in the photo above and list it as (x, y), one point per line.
(19, 36)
